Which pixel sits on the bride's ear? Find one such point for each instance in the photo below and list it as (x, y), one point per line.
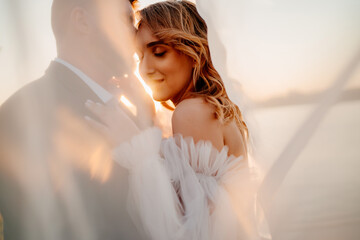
(80, 19)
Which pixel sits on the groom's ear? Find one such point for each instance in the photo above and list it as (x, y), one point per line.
(80, 19)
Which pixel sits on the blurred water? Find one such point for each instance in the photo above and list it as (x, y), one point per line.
(320, 197)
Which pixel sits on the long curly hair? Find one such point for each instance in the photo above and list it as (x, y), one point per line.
(178, 24)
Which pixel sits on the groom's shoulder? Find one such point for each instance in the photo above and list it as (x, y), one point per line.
(32, 99)
(33, 92)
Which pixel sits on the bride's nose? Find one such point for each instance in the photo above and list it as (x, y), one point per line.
(146, 67)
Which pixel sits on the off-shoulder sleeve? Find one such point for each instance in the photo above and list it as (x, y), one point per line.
(217, 190)
(182, 190)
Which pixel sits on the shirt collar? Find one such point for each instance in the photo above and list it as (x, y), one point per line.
(104, 95)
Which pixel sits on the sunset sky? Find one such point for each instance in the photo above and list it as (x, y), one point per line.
(273, 46)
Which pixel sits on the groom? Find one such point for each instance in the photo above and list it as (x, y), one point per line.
(57, 180)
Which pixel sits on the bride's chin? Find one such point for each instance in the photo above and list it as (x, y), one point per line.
(160, 98)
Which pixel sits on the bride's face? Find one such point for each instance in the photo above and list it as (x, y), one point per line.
(167, 71)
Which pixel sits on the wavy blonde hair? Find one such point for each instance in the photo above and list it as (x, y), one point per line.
(178, 24)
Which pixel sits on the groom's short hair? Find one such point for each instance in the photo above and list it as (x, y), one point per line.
(61, 10)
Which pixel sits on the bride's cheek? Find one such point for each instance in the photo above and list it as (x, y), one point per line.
(167, 64)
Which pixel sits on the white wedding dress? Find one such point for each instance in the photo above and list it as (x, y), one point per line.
(185, 190)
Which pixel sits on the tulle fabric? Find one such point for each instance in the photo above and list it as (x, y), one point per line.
(185, 190)
(152, 203)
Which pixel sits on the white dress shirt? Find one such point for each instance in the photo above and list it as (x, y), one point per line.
(104, 95)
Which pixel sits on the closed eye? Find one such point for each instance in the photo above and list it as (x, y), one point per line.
(160, 54)
(159, 51)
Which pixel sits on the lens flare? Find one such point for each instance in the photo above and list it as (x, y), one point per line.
(158, 106)
(131, 107)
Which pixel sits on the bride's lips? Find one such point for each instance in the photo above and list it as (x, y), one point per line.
(156, 81)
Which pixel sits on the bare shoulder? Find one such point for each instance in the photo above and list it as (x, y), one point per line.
(193, 111)
(196, 118)
(196, 107)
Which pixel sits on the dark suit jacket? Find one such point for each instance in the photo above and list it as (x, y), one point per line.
(44, 195)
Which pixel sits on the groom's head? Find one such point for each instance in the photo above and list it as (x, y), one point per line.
(88, 29)
(64, 10)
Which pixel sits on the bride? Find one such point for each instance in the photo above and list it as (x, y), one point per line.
(196, 184)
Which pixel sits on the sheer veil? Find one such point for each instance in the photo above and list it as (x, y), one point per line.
(293, 69)
(225, 23)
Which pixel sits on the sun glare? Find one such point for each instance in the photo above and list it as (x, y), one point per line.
(158, 105)
(128, 104)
